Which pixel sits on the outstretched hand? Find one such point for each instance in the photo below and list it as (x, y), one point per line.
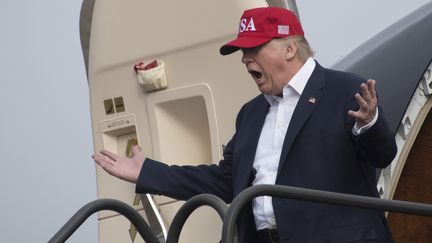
(125, 168)
(368, 104)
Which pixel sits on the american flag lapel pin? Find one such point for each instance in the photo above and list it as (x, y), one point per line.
(312, 100)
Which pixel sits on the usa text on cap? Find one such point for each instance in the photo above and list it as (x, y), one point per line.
(259, 25)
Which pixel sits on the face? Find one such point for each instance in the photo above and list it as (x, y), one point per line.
(268, 66)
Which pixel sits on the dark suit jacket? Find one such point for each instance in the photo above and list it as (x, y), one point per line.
(319, 152)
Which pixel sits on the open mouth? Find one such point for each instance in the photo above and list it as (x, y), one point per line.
(255, 74)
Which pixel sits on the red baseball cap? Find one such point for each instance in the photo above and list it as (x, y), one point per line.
(260, 25)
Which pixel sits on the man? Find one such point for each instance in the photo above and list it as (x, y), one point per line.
(311, 127)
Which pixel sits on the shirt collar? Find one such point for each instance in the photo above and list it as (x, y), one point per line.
(297, 83)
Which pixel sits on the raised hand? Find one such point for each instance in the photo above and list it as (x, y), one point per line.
(368, 104)
(122, 167)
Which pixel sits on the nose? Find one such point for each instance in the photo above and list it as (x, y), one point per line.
(246, 56)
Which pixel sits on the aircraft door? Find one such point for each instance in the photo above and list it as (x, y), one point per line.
(183, 121)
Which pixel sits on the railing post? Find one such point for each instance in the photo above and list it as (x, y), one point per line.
(187, 209)
(104, 204)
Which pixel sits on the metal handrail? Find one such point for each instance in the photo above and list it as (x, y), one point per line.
(315, 196)
(104, 204)
(231, 213)
(187, 209)
(142, 227)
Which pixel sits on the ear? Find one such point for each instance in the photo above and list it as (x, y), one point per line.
(291, 50)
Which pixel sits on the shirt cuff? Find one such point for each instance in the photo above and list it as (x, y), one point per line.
(357, 131)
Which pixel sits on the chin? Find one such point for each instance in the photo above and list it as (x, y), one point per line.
(264, 91)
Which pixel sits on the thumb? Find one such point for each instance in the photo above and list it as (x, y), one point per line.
(136, 149)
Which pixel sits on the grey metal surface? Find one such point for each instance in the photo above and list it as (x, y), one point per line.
(289, 4)
(397, 58)
(85, 23)
(151, 216)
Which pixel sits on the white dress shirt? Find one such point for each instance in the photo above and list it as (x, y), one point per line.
(271, 140)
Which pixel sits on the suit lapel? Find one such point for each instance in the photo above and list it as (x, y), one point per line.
(308, 101)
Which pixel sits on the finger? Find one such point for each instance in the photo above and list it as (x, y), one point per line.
(97, 158)
(373, 101)
(102, 160)
(371, 87)
(357, 115)
(109, 154)
(352, 113)
(361, 101)
(108, 168)
(365, 92)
